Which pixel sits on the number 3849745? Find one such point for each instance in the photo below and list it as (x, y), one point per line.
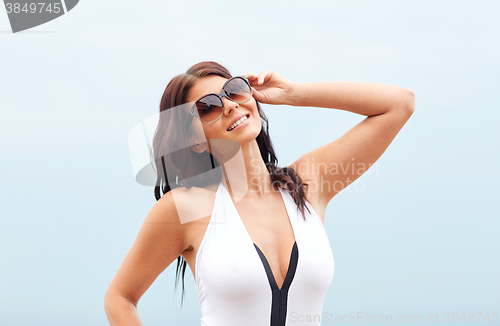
(33, 8)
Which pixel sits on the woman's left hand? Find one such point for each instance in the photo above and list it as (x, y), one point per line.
(270, 87)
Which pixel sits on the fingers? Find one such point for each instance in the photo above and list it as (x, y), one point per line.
(258, 79)
(258, 96)
(250, 75)
(264, 76)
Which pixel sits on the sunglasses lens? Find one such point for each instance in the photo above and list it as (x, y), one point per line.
(238, 90)
(209, 108)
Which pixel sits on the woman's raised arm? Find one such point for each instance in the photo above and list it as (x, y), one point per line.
(332, 167)
(340, 162)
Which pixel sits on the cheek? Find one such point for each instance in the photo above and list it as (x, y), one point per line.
(257, 123)
(256, 115)
(214, 130)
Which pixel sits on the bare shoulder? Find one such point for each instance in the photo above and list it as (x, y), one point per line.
(194, 207)
(165, 220)
(178, 209)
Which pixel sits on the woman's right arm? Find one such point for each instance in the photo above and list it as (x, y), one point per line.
(159, 242)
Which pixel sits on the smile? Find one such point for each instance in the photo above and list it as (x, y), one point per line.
(238, 123)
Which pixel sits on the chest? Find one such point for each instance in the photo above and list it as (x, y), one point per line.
(268, 225)
(266, 221)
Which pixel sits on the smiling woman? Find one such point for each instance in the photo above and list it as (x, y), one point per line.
(252, 232)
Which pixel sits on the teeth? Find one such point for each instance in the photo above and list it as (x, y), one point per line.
(237, 123)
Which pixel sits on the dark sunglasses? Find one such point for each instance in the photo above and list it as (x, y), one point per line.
(209, 107)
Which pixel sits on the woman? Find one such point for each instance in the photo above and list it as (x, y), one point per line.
(251, 232)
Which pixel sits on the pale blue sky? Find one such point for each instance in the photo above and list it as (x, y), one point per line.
(422, 235)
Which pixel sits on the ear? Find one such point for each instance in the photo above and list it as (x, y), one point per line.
(199, 148)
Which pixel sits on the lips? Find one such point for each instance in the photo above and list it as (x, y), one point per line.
(237, 119)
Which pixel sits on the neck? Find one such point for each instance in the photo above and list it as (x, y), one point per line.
(245, 174)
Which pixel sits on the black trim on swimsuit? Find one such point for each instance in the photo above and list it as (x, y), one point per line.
(280, 296)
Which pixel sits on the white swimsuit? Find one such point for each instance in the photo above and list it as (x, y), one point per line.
(236, 286)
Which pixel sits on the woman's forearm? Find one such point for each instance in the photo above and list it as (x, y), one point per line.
(121, 312)
(359, 97)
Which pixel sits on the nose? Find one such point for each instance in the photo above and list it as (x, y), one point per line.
(229, 105)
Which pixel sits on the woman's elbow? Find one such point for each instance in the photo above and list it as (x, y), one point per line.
(409, 101)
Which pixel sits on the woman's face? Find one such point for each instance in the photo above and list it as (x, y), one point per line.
(246, 132)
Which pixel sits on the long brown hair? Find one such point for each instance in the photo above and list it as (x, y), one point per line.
(186, 163)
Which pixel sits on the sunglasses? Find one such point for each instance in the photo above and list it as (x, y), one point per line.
(209, 107)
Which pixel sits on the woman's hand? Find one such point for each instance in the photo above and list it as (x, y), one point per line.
(270, 87)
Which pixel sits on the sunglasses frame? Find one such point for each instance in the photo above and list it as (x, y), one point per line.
(194, 112)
